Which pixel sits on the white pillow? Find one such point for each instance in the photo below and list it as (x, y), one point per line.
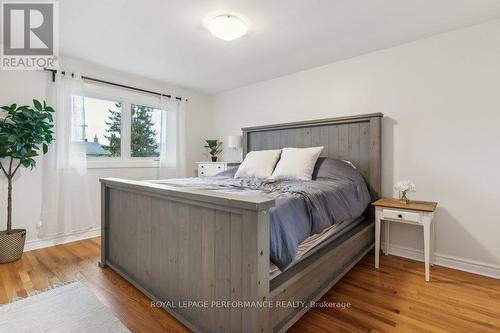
(297, 163)
(258, 164)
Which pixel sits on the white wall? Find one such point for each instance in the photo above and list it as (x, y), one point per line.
(22, 86)
(441, 100)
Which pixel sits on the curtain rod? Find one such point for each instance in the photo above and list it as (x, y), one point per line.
(54, 72)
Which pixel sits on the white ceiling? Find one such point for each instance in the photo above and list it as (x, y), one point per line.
(167, 40)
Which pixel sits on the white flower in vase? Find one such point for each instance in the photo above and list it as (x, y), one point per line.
(403, 187)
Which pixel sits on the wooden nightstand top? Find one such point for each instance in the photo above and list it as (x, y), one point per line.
(422, 206)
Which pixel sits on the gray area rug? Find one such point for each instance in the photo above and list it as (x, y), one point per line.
(69, 308)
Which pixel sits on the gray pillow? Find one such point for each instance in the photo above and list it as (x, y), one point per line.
(228, 173)
(335, 169)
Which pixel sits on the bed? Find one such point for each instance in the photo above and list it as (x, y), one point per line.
(207, 253)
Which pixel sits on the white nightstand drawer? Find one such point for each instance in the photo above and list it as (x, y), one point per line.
(212, 166)
(211, 169)
(400, 215)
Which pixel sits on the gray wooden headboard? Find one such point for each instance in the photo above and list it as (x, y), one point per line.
(353, 138)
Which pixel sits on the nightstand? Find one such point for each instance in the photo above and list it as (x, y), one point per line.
(208, 169)
(419, 213)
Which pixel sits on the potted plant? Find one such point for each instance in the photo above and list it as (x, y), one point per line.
(214, 148)
(24, 132)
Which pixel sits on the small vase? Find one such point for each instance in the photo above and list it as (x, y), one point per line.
(214, 158)
(403, 198)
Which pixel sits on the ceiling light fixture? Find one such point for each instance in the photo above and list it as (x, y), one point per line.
(227, 27)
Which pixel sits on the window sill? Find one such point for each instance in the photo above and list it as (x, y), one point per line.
(96, 164)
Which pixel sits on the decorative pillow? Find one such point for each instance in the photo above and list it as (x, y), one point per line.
(336, 169)
(229, 173)
(258, 164)
(297, 163)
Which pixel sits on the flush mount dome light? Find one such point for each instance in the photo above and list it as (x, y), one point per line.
(227, 27)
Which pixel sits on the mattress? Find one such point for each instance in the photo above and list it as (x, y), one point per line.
(315, 242)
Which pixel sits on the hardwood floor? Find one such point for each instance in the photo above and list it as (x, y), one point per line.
(393, 299)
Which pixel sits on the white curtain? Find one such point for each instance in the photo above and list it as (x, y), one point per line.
(66, 206)
(173, 139)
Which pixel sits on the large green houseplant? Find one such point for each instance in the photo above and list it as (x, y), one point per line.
(25, 131)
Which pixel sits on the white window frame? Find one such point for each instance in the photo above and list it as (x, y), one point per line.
(126, 98)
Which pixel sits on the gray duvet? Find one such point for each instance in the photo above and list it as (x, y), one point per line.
(303, 208)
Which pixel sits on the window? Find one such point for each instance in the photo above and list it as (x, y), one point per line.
(120, 128)
(101, 131)
(145, 131)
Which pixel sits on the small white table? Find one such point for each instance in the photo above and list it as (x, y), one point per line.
(417, 213)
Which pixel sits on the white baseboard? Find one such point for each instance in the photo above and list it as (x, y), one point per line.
(461, 264)
(61, 239)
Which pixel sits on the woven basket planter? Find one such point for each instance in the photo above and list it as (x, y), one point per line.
(12, 245)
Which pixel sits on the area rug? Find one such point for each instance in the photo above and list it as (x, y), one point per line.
(68, 308)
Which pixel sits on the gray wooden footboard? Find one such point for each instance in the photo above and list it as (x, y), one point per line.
(180, 246)
(199, 254)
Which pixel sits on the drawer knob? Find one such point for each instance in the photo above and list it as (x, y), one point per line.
(219, 166)
(400, 216)
(202, 166)
(202, 173)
